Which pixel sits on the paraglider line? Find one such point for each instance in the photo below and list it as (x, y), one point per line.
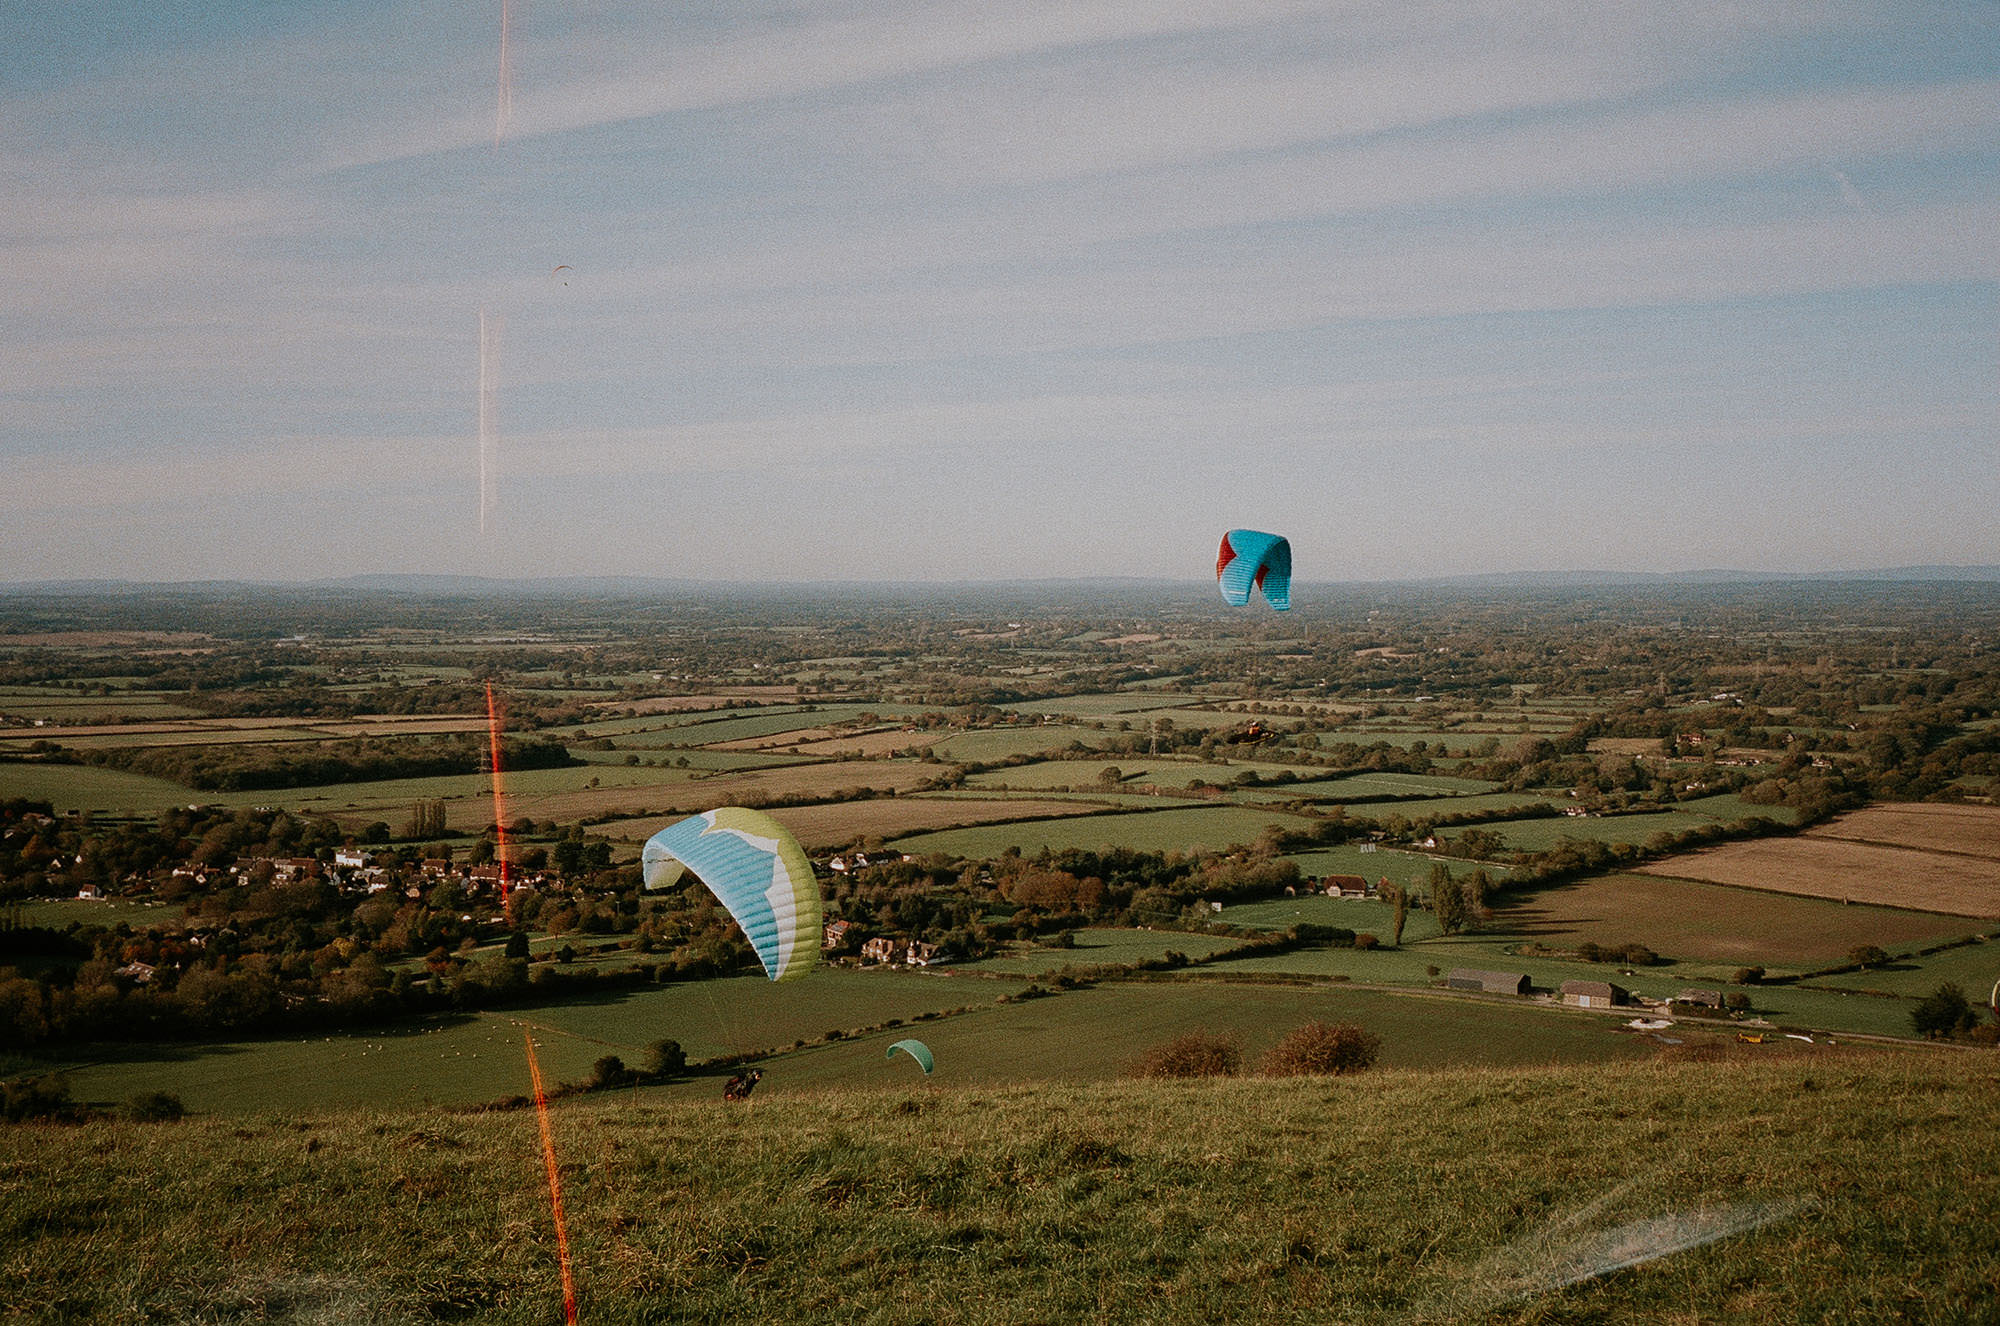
(555, 1179)
(499, 800)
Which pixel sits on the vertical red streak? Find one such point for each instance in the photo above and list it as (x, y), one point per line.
(499, 800)
(555, 1180)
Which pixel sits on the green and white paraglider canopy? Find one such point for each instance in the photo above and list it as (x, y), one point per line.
(756, 869)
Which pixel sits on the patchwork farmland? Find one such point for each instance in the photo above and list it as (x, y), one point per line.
(1902, 856)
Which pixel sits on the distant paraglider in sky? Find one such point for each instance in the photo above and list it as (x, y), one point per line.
(1251, 559)
(917, 1050)
(757, 870)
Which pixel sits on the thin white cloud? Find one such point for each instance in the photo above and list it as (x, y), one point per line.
(797, 55)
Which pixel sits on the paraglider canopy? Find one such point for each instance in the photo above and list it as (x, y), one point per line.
(756, 869)
(917, 1050)
(1252, 559)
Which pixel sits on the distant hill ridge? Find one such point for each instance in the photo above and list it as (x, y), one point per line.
(631, 586)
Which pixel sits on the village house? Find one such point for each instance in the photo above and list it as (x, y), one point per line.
(486, 877)
(833, 932)
(1346, 886)
(1488, 982)
(1593, 994)
(349, 858)
(879, 949)
(920, 954)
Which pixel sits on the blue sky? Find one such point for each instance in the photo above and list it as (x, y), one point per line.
(946, 291)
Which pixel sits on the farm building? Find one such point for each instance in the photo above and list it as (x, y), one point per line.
(1702, 998)
(1593, 994)
(1492, 982)
(1346, 886)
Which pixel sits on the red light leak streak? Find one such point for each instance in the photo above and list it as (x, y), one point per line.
(499, 799)
(555, 1180)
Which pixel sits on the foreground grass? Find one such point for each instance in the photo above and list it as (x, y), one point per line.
(1394, 1197)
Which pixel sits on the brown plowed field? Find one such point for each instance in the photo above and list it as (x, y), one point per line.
(1968, 830)
(820, 827)
(1937, 879)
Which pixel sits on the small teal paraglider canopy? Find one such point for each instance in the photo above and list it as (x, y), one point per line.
(917, 1050)
(1251, 559)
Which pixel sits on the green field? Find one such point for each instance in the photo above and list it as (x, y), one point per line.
(58, 913)
(1361, 915)
(1134, 771)
(1386, 863)
(987, 745)
(1539, 835)
(1717, 924)
(84, 787)
(1115, 704)
(1096, 1034)
(1730, 808)
(1472, 803)
(1178, 830)
(1973, 968)
(1361, 787)
(91, 709)
(1097, 945)
(229, 736)
(468, 1060)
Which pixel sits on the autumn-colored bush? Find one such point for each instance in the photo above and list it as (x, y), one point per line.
(1322, 1049)
(1194, 1054)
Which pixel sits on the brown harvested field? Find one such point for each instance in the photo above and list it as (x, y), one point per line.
(1969, 830)
(1624, 745)
(1696, 922)
(822, 827)
(1928, 881)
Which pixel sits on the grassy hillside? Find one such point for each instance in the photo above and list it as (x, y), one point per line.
(1830, 1190)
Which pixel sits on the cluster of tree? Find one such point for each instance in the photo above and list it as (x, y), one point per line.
(253, 766)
